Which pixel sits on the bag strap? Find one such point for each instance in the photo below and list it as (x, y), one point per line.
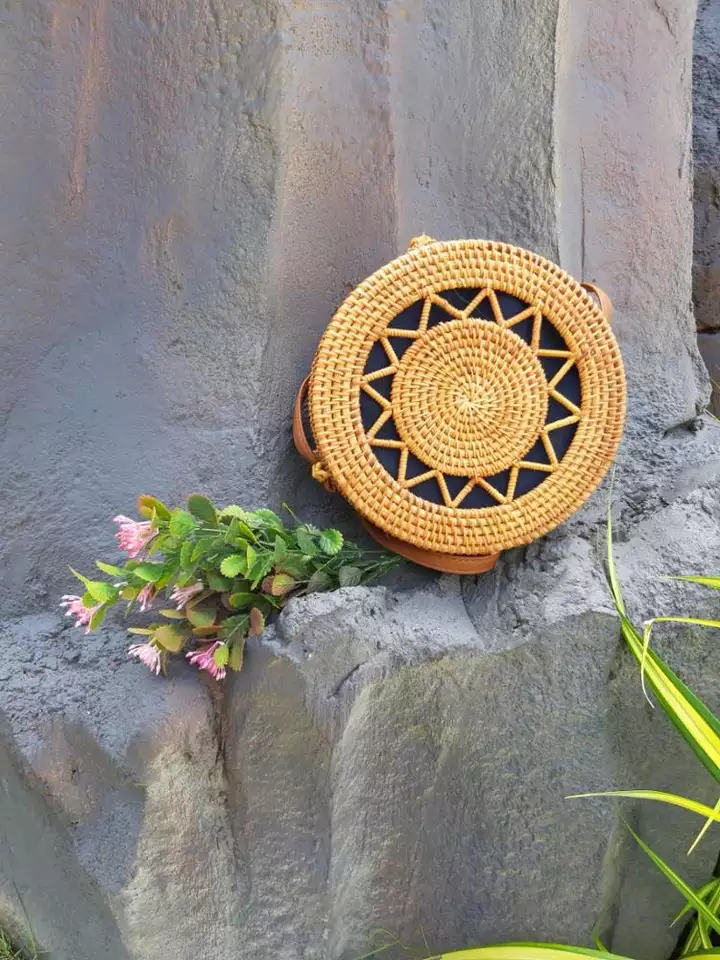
(443, 562)
(302, 444)
(601, 298)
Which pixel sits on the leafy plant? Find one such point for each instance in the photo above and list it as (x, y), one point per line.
(536, 951)
(698, 726)
(225, 572)
(701, 730)
(8, 951)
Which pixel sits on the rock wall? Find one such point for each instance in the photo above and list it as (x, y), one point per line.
(190, 193)
(706, 150)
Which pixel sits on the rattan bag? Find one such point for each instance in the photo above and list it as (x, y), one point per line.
(466, 398)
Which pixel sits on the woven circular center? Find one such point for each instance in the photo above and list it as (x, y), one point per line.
(469, 398)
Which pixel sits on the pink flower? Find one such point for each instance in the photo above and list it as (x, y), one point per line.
(147, 654)
(183, 594)
(133, 536)
(203, 659)
(145, 597)
(75, 608)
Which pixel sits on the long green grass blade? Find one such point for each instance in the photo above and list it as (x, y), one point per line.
(698, 936)
(696, 724)
(712, 582)
(599, 945)
(706, 827)
(687, 891)
(543, 951)
(702, 893)
(692, 621)
(528, 951)
(672, 798)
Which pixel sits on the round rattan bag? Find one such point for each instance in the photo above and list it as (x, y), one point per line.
(466, 398)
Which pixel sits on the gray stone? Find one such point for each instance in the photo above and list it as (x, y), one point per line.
(45, 895)
(709, 344)
(706, 149)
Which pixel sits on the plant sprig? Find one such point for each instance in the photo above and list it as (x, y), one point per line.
(226, 570)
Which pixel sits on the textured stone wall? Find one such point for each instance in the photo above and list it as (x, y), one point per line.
(189, 192)
(706, 151)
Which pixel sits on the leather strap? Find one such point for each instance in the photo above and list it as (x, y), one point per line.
(298, 429)
(444, 562)
(302, 444)
(603, 300)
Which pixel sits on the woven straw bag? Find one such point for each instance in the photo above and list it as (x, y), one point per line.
(466, 398)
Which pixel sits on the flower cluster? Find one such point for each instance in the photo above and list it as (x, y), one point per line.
(224, 571)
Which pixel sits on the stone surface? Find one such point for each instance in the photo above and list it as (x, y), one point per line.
(706, 150)
(189, 193)
(709, 344)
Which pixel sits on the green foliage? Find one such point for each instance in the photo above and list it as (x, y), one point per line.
(9, 952)
(238, 568)
(535, 951)
(698, 726)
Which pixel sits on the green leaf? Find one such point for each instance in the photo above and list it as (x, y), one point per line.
(257, 622)
(186, 554)
(262, 566)
(110, 570)
(251, 557)
(182, 524)
(140, 630)
(170, 637)
(147, 506)
(241, 601)
(670, 798)
(199, 551)
(679, 884)
(232, 531)
(280, 550)
(305, 543)
(319, 581)
(245, 533)
(234, 565)
(712, 582)
(151, 572)
(235, 626)
(173, 614)
(349, 576)
(702, 893)
(295, 566)
(704, 830)
(269, 519)
(529, 951)
(238, 532)
(204, 633)
(98, 617)
(280, 585)
(80, 577)
(691, 621)
(217, 582)
(695, 723)
(221, 656)
(233, 511)
(237, 653)
(331, 542)
(200, 507)
(102, 592)
(201, 614)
